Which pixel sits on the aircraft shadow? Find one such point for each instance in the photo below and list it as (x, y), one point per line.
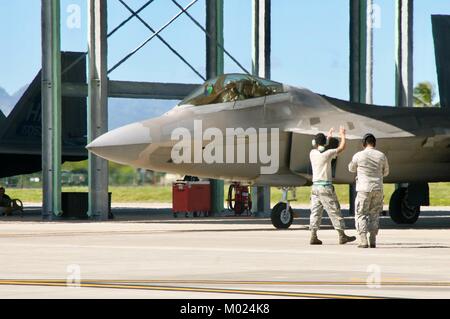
(427, 220)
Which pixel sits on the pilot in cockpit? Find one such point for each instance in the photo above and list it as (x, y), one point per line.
(231, 93)
(230, 88)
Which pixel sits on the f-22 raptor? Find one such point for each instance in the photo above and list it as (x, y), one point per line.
(250, 109)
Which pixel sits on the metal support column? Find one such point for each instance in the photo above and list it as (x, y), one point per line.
(51, 108)
(215, 67)
(214, 26)
(98, 107)
(360, 63)
(404, 53)
(369, 54)
(261, 67)
(404, 87)
(261, 38)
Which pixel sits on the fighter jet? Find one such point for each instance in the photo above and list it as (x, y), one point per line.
(273, 124)
(20, 132)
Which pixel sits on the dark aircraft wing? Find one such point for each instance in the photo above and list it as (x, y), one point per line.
(418, 121)
(415, 140)
(20, 133)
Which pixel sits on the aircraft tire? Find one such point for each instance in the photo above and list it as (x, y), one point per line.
(399, 209)
(281, 219)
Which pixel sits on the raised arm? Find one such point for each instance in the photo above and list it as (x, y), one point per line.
(342, 142)
(330, 133)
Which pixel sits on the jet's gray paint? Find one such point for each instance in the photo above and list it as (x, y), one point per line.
(416, 141)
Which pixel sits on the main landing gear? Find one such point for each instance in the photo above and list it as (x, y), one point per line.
(282, 214)
(402, 208)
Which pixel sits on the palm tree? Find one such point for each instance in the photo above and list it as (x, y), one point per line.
(424, 95)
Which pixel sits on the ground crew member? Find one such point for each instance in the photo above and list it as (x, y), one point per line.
(371, 166)
(5, 202)
(323, 195)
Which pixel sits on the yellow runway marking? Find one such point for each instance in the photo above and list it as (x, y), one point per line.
(183, 289)
(244, 282)
(285, 283)
(166, 285)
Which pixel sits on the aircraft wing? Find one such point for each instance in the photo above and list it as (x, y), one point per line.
(415, 140)
(318, 113)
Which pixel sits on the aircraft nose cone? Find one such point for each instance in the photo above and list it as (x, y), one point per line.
(122, 145)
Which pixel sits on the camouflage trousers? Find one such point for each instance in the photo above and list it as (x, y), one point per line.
(368, 206)
(324, 197)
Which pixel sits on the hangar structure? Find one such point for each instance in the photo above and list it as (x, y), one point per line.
(99, 87)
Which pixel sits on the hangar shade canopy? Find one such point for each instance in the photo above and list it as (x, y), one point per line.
(232, 87)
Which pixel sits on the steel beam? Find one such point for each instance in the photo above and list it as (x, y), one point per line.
(98, 107)
(172, 49)
(261, 66)
(150, 90)
(215, 67)
(404, 87)
(155, 34)
(51, 108)
(404, 53)
(360, 63)
(210, 36)
(358, 50)
(214, 27)
(369, 54)
(134, 90)
(134, 14)
(261, 38)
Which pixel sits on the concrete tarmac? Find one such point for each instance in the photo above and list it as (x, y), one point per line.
(146, 253)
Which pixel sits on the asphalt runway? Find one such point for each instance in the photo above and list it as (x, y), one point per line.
(146, 253)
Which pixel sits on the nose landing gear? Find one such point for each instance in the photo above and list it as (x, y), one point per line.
(282, 214)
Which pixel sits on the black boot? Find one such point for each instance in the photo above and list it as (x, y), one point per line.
(373, 240)
(343, 238)
(314, 240)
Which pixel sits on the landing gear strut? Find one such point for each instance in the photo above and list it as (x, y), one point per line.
(401, 210)
(282, 214)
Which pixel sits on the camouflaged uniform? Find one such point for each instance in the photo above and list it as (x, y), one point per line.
(371, 166)
(323, 195)
(5, 203)
(368, 206)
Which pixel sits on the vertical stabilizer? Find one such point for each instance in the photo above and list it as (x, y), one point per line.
(441, 35)
(2, 118)
(20, 132)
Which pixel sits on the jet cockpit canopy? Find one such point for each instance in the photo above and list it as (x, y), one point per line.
(230, 88)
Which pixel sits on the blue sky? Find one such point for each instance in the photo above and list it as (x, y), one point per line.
(309, 48)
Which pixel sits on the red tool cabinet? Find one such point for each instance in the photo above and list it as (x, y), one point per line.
(191, 197)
